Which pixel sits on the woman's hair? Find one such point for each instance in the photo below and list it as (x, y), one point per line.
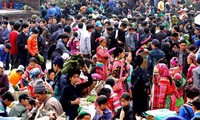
(102, 99)
(73, 72)
(35, 30)
(81, 116)
(75, 34)
(105, 91)
(138, 60)
(117, 51)
(127, 53)
(126, 96)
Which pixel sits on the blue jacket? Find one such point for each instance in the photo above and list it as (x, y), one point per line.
(3, 54)
(3, 112)
(183, 112)
(5, 34)
(51, 12)
(153, 57)
(196, 116)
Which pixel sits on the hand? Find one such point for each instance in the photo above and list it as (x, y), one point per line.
(100, 112)
(119, 42)
(52, 114)
(26, 47)
(86, 69)
(77, 101)
(123, 79)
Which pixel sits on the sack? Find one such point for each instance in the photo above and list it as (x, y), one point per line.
(41, 59)
(179, 101)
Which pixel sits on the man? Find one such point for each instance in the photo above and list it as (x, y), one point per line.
(5, 32)
(85, 41)
(111, 41)
(48, 103)
(5, 101)
(61, 44)
(19, 109)
(161, 35)
(120, 35)
(4, 49)
(95, 34)
(196, 74)
(22, 44)
(154, 55)
(175, 37)
(13, 42)
(182, 54)
(57, 86)
(56, 34)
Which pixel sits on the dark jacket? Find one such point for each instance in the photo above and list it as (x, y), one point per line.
(21, 42)
(94, 43)
(161, 35)
(71, 93)
(128, 113)
(153, 57)
(184, 65)
(3, 112)
(4, 84)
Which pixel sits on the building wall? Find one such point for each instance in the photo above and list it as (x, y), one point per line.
(33, 3)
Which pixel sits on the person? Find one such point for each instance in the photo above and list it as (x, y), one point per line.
(15, 76)
(119, 70)
(191, 60)
(5, 32)
(4, 83)
(61, 44)
(31, 105)
(32, 64)
(19, 109)
(85, 43)
(139, 87)
(102, 113)
(196, 107)
(22, 44)
(5, 101)
(161, 35)
(4, 49)
(70, 95)
(84, 116)
(58, 86)
(125, 112)
(13, 41)
(32, 43)
(120, 35)
(186, 109)
(74, 44)
(48, 103)
(50, 76)
(196, 73)
(102, 58)
(154, 55)
(128, 58)
(182, 54)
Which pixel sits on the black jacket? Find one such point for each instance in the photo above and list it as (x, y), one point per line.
(21, 42)
(128, 113)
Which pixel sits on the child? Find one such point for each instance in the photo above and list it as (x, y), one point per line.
(196, 107)
(102, 113)
(126, 112)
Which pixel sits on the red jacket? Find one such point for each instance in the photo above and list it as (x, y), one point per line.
(13, 41)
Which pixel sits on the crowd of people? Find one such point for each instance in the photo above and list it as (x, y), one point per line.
(123, 57)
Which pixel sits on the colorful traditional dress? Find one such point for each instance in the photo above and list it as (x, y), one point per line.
(74, 45)
(102, 62)
(119, 69)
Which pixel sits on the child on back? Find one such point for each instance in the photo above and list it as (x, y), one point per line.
(102, 113)
(125, 112)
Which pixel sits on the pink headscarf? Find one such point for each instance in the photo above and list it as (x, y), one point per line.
(163, 70)
(174, 62)
(193, 57)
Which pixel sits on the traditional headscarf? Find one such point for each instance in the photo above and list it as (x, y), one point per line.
(193, 57)
(163, 70)
(174, 62)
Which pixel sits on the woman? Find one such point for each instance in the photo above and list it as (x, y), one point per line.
(70, 95)
(102, 59)
(32, 43)
(139, 94)
(74, 43)
(191, 60)
(119, 70)
(168, 92)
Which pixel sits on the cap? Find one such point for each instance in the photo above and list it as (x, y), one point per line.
(98, 24)
(20, 68)
(39, 86)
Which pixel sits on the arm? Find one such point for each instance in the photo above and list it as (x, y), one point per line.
(6, 35)
(29, 41)
(88, 44)
(5, 84)
(62, 47)
(86, 84)
(4, 57)
(65, 94)
(149, 64)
